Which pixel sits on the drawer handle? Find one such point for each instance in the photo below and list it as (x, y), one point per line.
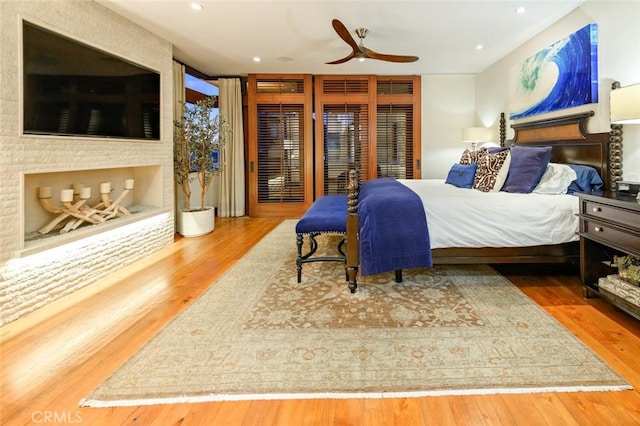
(598, 229)
(596, 209)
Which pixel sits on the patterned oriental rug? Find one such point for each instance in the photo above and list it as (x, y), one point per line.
(258, 334)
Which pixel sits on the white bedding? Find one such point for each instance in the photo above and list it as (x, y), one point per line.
(460, 217)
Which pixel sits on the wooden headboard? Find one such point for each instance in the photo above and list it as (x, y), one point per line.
(569, 140)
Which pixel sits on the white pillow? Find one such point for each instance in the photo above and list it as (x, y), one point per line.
(556, 179)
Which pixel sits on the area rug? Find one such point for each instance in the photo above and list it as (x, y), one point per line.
(257, 333)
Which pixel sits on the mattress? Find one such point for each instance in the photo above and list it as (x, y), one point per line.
(459, 217)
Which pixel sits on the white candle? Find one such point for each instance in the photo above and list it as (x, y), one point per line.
(45, 192)
(66, 195)
(85, 192)
(77, 187)
(128, 184)
(105, 187)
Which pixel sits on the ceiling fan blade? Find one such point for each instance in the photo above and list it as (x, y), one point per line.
(343, 60)
(344, 34)
(389, 58)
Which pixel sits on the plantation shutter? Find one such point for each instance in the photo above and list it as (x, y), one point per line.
(343, 137)
(397, 135)
(280, 153)
(395, 141)
(346, 144)
(280, 145)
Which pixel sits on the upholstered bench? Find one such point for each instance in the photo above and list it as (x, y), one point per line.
(327, 215)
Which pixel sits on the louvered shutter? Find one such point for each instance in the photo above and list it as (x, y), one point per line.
(397, 124)
(280, 153)
(343, 136)
(280, 145)
(346, 144)
(395, 141)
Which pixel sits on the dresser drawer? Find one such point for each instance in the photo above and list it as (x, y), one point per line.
(612, 214)
(610, 234)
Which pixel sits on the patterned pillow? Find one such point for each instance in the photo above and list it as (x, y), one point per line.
(492, 172)
(470, 157)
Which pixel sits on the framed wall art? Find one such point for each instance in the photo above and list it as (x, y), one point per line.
(563, 75)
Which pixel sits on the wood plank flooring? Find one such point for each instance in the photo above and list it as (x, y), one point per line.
(54, 357)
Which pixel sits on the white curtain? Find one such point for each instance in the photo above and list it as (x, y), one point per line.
(178, 111)
(230, 182)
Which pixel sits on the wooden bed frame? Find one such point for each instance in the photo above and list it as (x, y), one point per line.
(570, 143)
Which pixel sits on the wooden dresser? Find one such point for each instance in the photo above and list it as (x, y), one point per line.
(609, 225)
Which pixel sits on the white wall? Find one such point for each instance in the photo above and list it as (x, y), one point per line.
(29, 282)
(618, 59)
(448, 105)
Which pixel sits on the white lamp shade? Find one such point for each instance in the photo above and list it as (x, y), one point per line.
(625, 105)
(476, 134)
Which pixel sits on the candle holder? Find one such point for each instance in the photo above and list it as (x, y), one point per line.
(74, 211)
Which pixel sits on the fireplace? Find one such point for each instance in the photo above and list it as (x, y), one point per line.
(140, 190)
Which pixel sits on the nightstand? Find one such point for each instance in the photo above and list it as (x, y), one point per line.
(609, 225)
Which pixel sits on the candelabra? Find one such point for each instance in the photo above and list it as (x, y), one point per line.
(74, 211)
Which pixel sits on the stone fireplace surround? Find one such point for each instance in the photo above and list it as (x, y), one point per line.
(34, 274)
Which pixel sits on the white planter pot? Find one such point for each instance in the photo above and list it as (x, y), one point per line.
(196, 223)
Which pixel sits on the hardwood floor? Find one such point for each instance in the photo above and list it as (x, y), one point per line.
(54, 357)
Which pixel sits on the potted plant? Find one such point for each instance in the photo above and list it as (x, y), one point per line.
(197, 140)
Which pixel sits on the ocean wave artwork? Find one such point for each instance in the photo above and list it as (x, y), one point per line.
(563, 75)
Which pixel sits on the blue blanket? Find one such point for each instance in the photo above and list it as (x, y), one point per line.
(393, 231)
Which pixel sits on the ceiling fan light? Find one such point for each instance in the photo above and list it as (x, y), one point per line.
(361, 59)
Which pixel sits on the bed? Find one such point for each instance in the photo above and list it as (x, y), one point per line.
(450, 239)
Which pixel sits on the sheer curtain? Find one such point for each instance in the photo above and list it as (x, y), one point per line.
(178, 110)
(230, 182)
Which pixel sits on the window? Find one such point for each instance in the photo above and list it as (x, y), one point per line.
(197, 88)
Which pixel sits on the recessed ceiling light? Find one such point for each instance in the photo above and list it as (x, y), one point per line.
(197, 6)
(520, 10)
(256, 59)
(479, 47)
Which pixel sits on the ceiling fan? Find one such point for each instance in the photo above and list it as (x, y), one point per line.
(361, 52)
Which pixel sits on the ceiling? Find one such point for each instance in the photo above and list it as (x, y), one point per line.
(297, 36)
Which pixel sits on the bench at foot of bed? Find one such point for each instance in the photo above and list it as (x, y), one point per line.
(327, 215)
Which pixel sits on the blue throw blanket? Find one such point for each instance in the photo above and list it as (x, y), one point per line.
(393, 231)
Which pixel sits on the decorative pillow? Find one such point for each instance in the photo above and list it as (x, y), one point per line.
(587, 179)
(461, 175)
(492, 171)
(496, 149)
(556, 179)
(469, 157)
(528, 164)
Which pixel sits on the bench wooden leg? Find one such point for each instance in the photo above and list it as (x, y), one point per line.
(307, 257)
(299, 240)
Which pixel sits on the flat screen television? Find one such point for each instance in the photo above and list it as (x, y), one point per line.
(73, 89)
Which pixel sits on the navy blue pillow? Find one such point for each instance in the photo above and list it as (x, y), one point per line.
(528, 164)
(496, 149)
(587, 179)
(461, 175)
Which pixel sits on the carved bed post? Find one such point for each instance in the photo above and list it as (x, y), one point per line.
(353, 256)
(615, 150)
(503, 130)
